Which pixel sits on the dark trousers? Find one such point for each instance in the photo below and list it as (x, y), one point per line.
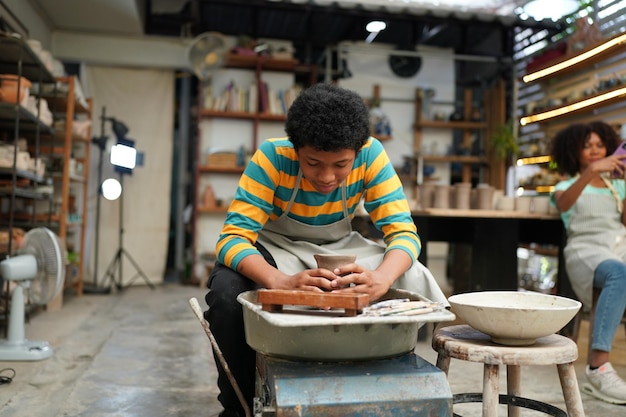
(225, 319)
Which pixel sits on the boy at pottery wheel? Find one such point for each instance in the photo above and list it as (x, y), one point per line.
(296, 198)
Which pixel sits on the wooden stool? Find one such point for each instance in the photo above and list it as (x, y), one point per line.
(464, 343)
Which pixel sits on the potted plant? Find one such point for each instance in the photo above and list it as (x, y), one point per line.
(503, 141)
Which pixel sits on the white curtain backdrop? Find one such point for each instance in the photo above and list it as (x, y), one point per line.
(143, 99)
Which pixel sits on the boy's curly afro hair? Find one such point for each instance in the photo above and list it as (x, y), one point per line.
(569, 142)
(328, 118)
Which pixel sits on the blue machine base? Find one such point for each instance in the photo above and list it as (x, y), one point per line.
(403, 386)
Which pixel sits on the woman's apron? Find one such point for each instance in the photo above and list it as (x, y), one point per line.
(293, 244)
(595, 234)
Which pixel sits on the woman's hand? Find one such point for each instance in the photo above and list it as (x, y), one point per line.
(613, 164)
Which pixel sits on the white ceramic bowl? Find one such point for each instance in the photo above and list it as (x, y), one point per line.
(514, 318)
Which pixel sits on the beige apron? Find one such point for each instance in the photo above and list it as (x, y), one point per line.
(595, 234)
(293, 244)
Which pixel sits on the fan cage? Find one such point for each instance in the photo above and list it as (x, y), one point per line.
(51, 257)
(206, 53)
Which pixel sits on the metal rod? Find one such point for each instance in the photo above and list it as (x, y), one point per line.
(344, 47)
(181, 188)
(121, 233)
(99, 198)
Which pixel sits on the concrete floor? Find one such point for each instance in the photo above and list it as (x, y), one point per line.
(143, 353)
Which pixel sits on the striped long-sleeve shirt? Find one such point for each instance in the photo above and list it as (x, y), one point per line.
(267, 183)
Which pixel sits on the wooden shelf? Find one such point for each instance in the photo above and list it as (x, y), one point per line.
(491, 169)
(227, 114)
(606, 50)
(220, 170)
(265, 63)
(603, 98)
(272, 117)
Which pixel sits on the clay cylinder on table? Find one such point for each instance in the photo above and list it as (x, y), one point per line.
(541, 205)
(484, 195)
(523, 204)
(462, 193)
(427, 195)
(442, 196)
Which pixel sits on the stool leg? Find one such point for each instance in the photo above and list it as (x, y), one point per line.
(443, 363)
(491, 390)
(571, 394)
(513, 387)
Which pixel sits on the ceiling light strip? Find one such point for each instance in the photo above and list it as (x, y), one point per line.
(574, 60)
(572, 107)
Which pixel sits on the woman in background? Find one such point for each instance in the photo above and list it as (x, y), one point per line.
(591, 203)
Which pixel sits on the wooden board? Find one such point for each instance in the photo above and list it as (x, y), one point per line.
(274, 300)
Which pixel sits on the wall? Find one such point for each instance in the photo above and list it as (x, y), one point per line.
(398, 96)
(143, 100)
(127, 51)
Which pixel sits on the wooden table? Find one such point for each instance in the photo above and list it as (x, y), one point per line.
(494, 237)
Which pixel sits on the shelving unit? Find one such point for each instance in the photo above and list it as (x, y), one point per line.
(492, 170)
(376, 97)
(20, 185)
(66, 145)
(46, 197)
(15, 122)
(575, 88)
(252, 124)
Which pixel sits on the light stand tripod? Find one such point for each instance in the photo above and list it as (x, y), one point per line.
(117, 259)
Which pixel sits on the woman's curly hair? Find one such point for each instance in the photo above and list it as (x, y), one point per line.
(570, 141)
(328, 118)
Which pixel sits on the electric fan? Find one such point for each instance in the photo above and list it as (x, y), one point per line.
(39, 270)
(206, 53)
